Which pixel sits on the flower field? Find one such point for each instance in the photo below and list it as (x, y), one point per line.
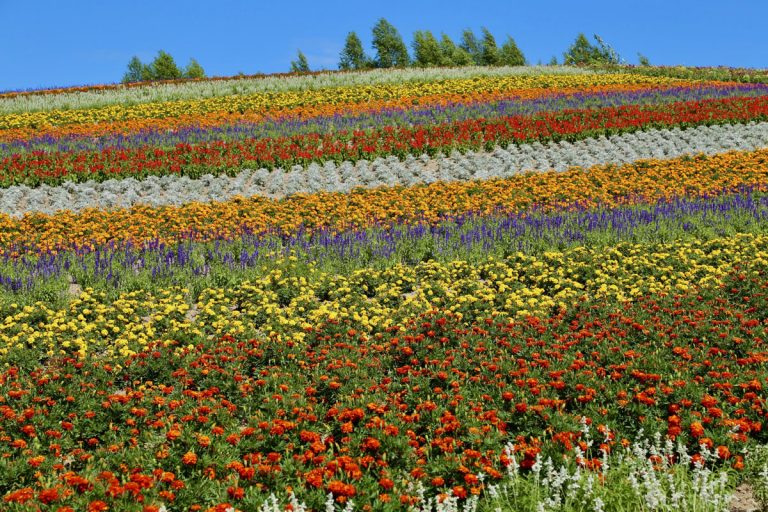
(457, 289)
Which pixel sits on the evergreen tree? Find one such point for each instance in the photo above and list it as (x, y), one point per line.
(510, 54)
(490, 52)
(164, 67)
(194, 70)
(390, 48)
(553, 61)
(643, 60)
(300, 65)
(427, 51)
(454, 56)
(137, 71)
(472, 46)
(353, 56)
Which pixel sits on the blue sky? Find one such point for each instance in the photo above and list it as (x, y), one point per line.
(56, 42)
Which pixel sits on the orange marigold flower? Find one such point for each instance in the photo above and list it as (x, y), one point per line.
(460, 492)
(189, 459)
(21, 496)
(36, 461)
(97, 506)
(723, 452)
(696, 429)
(236, 493)
(339, 488)
(47, 496)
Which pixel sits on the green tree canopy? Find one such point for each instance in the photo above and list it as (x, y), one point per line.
(300, 65)
(194, 70)
(454, 55)
(510, 54)
(137, 71)
(489, 54)
(427, 50)
(584, 52)
(472, 46)
(390, 48)
(353, 56)
(164, 67)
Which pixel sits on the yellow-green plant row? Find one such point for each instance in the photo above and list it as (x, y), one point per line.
(290, 297)
(329, 96)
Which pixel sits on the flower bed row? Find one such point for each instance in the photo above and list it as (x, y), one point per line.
(282, 297)
(400, 112)
(367, 417)
(172, 90)
(606, 185)
(466, 237)
(265, 102)
(17, 200)
(225, 157)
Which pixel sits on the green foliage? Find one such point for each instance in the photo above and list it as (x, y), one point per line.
(194, 70)
(585, 53)
(553, 61)
(643, 60)
(353, 56)
(137, 71)
(390, 48)
(454, 55)
(472, 46)
(164, 67)
(510, 54)
(300, 65)
(489, 55)
(427, 50)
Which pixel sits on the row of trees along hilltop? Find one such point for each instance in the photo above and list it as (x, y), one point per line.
(428, 50)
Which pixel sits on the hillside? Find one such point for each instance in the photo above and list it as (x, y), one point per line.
(478, 288)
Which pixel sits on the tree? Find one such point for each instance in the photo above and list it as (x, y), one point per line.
(606, 52)
(164, 67)
(427, 51)
(510, 54)
(300, 65)
(583, 52)
(643, 60)
(454, 55)
(390, 48)
(353, 56)
(471, 45)
(553, 61)
(194, 70)
(489, 55)
(137, 71)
